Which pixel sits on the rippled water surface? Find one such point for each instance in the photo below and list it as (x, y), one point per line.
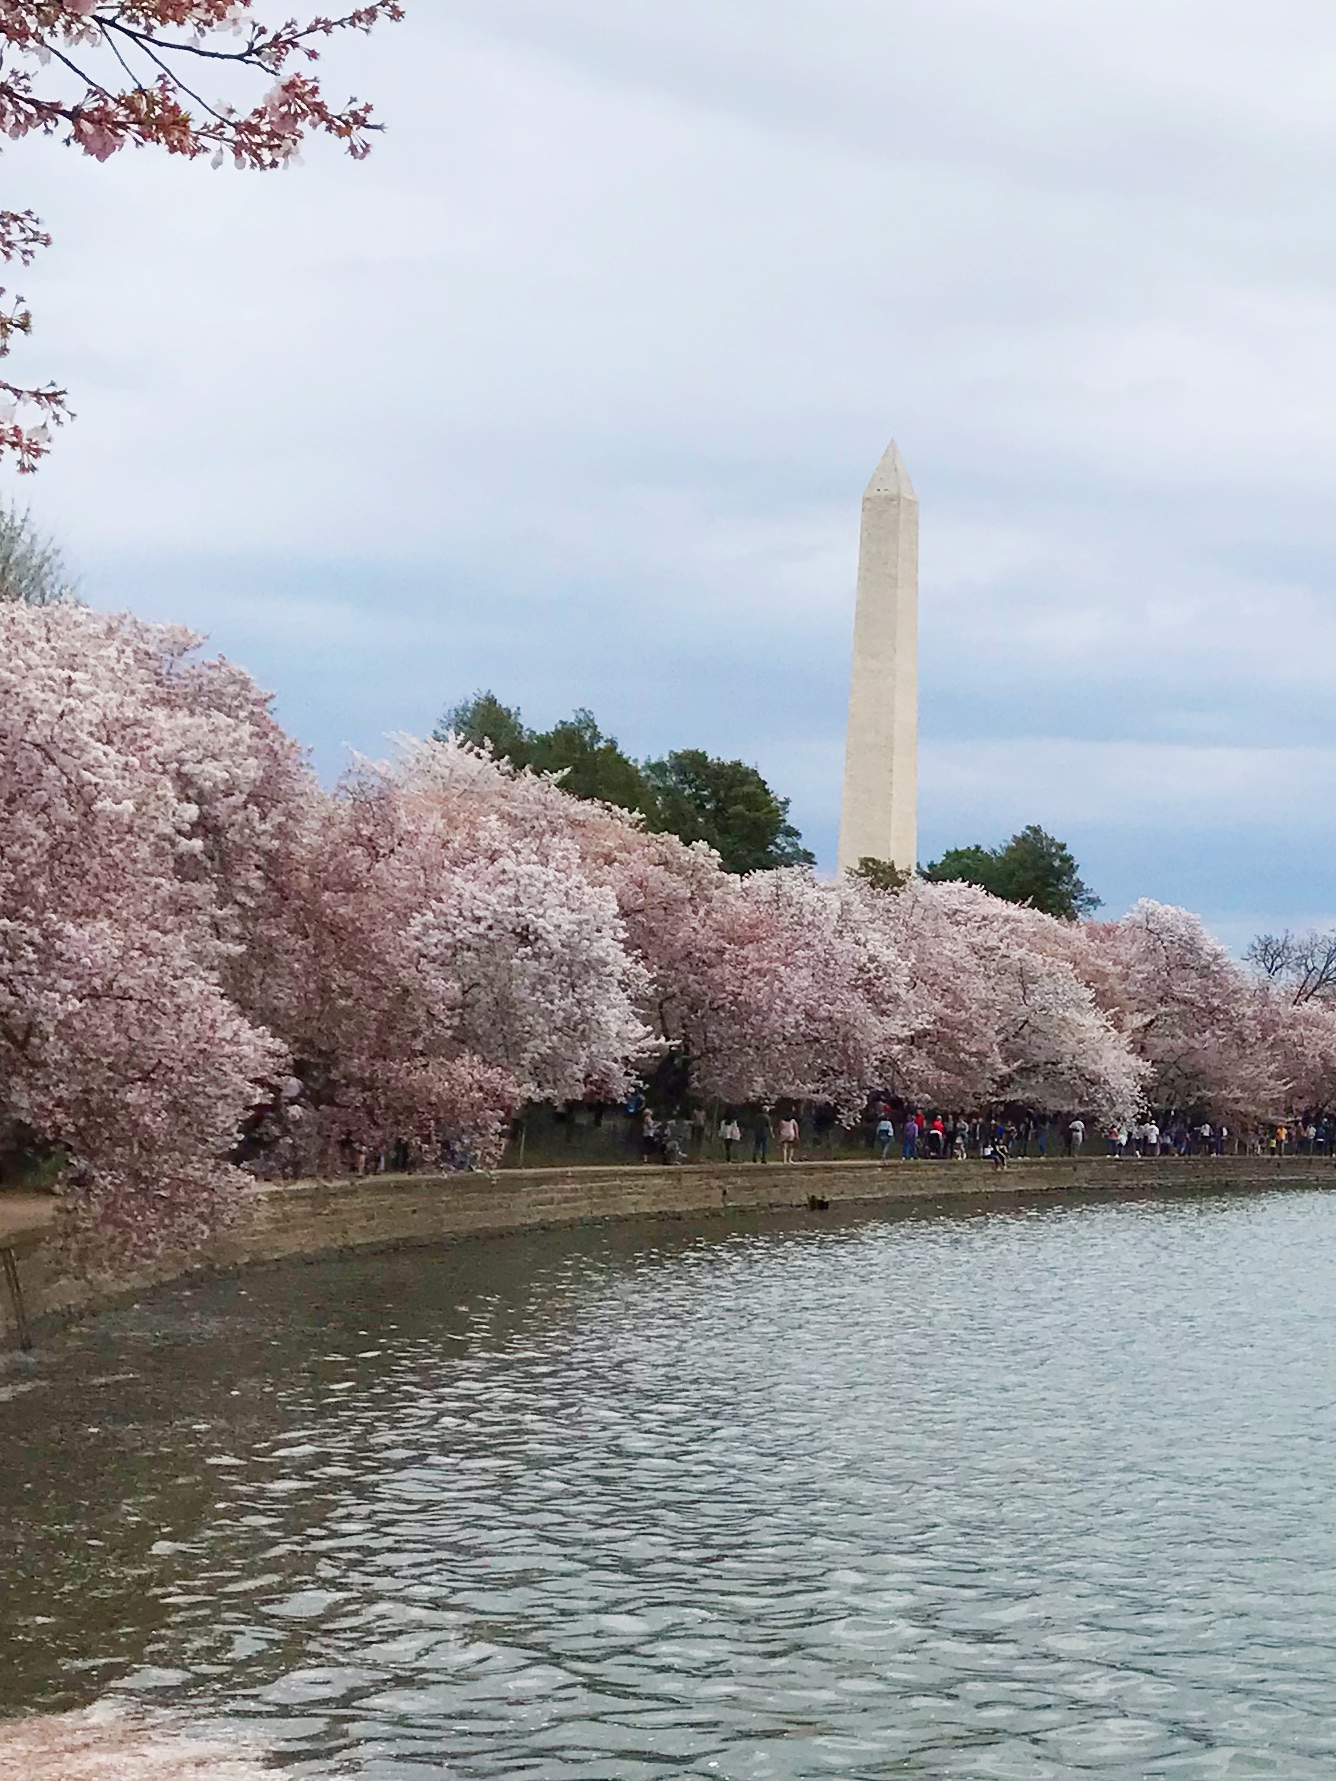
(1004, 1494)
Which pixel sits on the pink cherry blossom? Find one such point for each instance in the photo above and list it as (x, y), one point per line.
(204, 955)
(104, 75)
(119, 1043)
(981, 1005)
(1206, 1029)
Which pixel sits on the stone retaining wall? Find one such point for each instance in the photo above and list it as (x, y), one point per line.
(312, 1218)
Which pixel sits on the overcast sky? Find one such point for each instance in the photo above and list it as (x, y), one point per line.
(571, 391)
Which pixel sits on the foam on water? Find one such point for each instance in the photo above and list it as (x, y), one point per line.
(107, 1743)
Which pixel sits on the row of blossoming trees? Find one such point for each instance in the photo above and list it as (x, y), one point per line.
(195, 935)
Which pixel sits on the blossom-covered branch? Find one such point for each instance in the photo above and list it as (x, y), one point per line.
(110, 74)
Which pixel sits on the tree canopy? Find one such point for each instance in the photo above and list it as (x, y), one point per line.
(1034, 867)
(592, 764)
(881, 875)
(689, 793)
(1302, 964)
(31, 567)
(728, 805)
(210, 960)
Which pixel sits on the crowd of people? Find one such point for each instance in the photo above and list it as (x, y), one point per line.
(890, 1131)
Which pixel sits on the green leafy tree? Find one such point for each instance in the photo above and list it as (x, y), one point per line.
(689, 794)
(1033, 867)
(31, 567)
(483, 719)
(880, 874)
(592, 764)
(728, 805)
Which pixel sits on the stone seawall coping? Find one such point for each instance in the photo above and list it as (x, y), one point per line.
(314, 1218)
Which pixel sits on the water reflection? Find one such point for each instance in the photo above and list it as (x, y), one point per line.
(1012, 1495)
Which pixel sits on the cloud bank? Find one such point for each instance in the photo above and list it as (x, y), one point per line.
(572, 389)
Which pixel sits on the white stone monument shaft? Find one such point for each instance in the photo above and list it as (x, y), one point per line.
(879, 816)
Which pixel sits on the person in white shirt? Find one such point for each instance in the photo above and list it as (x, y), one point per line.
(788, 1139)
(885, 1135)
(1075, 1137)
(1150, 1137)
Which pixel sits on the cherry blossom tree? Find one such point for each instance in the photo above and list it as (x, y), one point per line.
(755, 982)
(979, 1004)
(203, 954)
(748, 980)
(775, 985)
(1304, 1042)
(434, 957)
(104, 75)
(125, 768)
(1208, 1031)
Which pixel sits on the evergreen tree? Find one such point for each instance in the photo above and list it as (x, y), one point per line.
(690, 794)
(1033, 867)
(484, 720)
(593, 765)
(728, 805)
(880, 874)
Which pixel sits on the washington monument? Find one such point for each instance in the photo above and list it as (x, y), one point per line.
(879, 816)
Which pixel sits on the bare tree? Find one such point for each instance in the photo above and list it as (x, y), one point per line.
(1270, 954)
(1304, 964)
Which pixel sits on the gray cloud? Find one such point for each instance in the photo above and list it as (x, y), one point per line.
(572, 388)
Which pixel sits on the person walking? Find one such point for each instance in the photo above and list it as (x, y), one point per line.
(1075, 1136)
(788, 1139)
(885, 1134)
(937, 1137)
(698, 1124)
(761, 1137)
(909, 1148)
(731, 1133)
(1150, 1138)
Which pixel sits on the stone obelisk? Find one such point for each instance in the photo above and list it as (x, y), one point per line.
(879, 816)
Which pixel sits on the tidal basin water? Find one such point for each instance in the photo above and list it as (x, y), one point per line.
(1007, 1493)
